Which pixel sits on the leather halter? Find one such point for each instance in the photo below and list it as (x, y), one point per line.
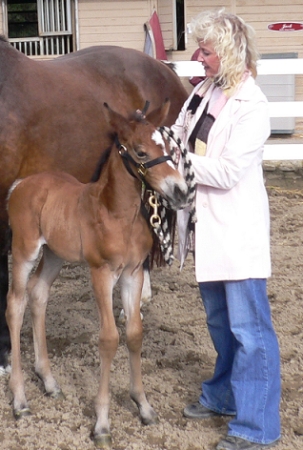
(141, 167)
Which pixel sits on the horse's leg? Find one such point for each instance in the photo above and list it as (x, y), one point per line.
(103, 283)
(5, 344)
(131, 287)
(16, 303)
(146, 289)
(38, 289)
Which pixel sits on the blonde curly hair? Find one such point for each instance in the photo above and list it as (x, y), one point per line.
(233, 41)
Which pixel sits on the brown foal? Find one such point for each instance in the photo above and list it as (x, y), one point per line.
(99, 223)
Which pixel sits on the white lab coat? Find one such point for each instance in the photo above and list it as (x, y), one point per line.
(232, 233)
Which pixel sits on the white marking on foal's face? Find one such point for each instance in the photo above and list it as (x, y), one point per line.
(158, 139)
(169, 183)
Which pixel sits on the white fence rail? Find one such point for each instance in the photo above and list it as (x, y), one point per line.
(289, 151)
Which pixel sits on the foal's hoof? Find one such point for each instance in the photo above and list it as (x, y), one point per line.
(122, 318)
(57, 395)
(151, 419)
(103, 441)
(19, 413)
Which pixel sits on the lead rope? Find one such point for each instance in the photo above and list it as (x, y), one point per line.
(158, 219)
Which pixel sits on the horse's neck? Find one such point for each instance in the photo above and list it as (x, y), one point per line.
(119, 190)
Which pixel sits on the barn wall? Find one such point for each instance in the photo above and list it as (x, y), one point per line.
(166, 13)
(1, 20)
(259, 14)
(113, 22)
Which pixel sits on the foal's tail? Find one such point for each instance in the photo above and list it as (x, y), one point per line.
(13, 186)
(8, 231)
(7, 240)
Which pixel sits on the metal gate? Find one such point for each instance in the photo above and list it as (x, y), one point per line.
(55, 26)
(55, 34)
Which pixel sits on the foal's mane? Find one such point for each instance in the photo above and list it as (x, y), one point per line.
(103, 158)
(137, 116)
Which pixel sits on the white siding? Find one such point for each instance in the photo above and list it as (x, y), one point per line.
(259, 14)
(194, 7)
(262, 13)
(166, 14)
(2, 27)
(113, 22)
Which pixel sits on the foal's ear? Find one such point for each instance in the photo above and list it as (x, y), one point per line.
(116, 120)
(157, 116)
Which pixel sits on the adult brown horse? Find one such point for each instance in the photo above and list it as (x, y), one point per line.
(100, 223)
(52, 117)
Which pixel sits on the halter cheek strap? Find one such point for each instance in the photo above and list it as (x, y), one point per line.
(141, 167)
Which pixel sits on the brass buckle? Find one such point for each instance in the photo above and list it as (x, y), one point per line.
(142, 170)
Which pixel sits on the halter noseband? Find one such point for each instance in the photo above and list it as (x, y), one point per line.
(141, 167)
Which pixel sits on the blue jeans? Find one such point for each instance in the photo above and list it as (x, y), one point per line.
(246, 381)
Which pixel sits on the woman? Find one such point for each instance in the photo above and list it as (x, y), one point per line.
(225, 123)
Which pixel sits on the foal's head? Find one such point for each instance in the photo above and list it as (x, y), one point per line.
(146, 153)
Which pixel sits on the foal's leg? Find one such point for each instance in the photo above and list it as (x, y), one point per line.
(103, 282)
(131, 287)
(38, 289)
(16, 303)
(5, 343)
(146, 295)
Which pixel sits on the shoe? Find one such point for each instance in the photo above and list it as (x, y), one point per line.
(198, 411)
(236, 443)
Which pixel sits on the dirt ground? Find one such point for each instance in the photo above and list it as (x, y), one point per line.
(177, 355)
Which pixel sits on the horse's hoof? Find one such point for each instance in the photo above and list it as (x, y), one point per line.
(57, 395)
(122, 318)
(151, 420)
(19, 413)
(103, 441)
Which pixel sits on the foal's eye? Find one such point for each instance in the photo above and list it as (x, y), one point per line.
(140, 153)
